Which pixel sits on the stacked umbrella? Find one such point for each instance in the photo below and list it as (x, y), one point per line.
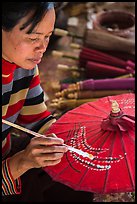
(101, 65)
(88, 54)
(104, 75)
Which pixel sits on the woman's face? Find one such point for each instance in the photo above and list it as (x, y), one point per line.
(26, 50)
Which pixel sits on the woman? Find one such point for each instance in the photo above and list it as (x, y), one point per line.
(26, 30)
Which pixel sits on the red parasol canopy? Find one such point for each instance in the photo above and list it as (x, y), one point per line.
(105, 130)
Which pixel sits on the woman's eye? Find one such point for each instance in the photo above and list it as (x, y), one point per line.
(34, 39)
(47, 37)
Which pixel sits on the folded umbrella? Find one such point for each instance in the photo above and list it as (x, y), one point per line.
(104, 41)
(105, 84)
(97, 70)
(121, 54)
(104, 129)
(93, 94)
(88, 54)
(65, 104)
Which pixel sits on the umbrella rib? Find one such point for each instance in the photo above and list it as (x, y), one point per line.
(64, 169)
(90, 115)
(90, 131)
(97, 108)
(70, 132)
(65, 131)
(98, 137)
(131, 179)
(103, 142)
(133, 140)
(82, 178)
(68, 135)
(87, 146)
(62, 123)
(111, 148)
(71, 164)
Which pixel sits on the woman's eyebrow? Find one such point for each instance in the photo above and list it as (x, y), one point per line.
(39, 33)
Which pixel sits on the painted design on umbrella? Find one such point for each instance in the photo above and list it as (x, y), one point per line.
(108, 136)
(79, 141)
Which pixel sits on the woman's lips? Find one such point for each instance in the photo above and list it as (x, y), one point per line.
(36, 61)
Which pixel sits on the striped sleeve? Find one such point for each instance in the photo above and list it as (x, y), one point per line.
(34, 109)
(9, 185)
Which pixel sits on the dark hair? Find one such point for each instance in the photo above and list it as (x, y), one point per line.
(13, 12)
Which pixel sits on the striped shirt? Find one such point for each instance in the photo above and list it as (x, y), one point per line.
(22, 101)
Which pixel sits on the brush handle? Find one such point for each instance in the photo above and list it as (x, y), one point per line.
(22, 128)
(80, 152)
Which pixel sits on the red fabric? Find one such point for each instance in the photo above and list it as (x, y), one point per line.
(81, 173)
(13, 109)
(26, 119)
(35, 81)
(6, 80)
(7, 67)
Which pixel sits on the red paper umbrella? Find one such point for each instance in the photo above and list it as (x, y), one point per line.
(104, 129)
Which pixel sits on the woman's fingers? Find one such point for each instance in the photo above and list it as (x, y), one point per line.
(49, 149)
(47, 140)
(51, 135)
(48, 157)
(45, 151)
(51, 163)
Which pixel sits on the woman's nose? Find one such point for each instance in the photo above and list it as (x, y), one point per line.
(42, 46)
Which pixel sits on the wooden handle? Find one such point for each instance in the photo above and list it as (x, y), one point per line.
(75, 45)
(57, 53)
(70, 68)
(63, 67)
(60, 32)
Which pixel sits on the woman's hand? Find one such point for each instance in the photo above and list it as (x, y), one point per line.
(44, 151)
(41, 152)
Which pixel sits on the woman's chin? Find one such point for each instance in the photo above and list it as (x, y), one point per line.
(30, 64)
